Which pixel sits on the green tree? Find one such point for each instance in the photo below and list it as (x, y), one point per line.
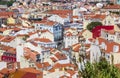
(8, 3)
(100, 70)
(91, 25)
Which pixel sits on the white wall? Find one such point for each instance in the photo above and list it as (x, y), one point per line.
(69, 41)
(24, 63)
(3, 65)
(47, 35)
(19, 52)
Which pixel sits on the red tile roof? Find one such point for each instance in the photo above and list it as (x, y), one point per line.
(2, 29)
(76, 47)
(112, 7)
(60, 56)
(8, 39)
(43, 40)
(8, 49)
(60, 12)
(46, 22)
(6, 14)
(53, 59)
(71, 72)
(95, 16)
(109, 45)
(4, 71)
(112, 32)
(26, 73)
(64, 76)
(42, 65)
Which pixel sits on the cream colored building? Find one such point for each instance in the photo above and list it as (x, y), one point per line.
(111, 35)
(87, 34)
(70, 37)
(10, 20)
(104, 19)
(47, 34)
(116, 58)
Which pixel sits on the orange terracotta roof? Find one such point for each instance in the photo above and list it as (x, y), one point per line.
(30, 54)
(76, 47)
(60, 56)
(42, 65)
(64, 76)
(52, 70)
(31, 33)
(109, 31)
(112, 7)
(42, 40)
(60, 12)
(63, 16)
(6, 14)
(44, 31)
(46, 22)
(53, 59)
(71, 72)
(66, 49)
(1, 37)
(46, 64)
(97, 16)
(109, 45)
(22, 35)
(75, 17)
(39, 65)
(1, 75)
(31, 70)
(58, 65)
(8, 49)
(20, 73)
(8, 39)
(2, 29)
(87, 45)
(16, 29)
(101, 40)
(4, 71)
(35, 44)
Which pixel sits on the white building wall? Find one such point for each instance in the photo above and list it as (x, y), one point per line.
(116, 59)
(19, 52)
(32, 47)
(47, 35)
(111, 37)
(69, 41)
(3, 65)
(24, 63)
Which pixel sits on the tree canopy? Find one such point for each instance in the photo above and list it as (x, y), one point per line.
(8, 3)
(91, 25)
(100, 70)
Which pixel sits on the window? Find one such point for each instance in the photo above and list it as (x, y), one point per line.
(108, 22)
(40, 27)
(32, 65)
(115, 48)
